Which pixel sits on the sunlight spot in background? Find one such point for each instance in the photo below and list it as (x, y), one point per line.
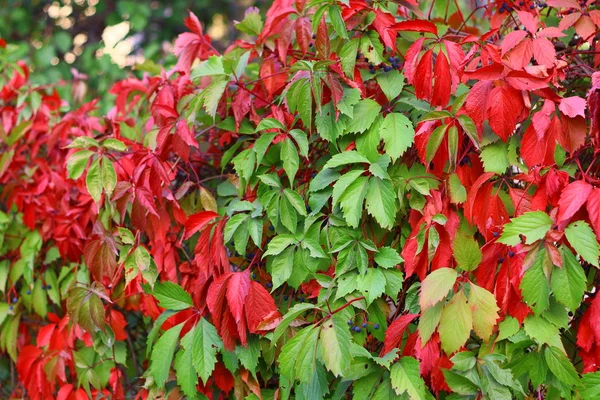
(116, 43)
(218, 28)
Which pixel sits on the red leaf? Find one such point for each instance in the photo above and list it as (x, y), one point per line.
(198, 221)
(487, 73)
(544, 52)
(572, 198)
(593, 209)
(394, 332)
(145, 198)
(261, 312)
(442, 87)
(506, 105)
(303, 33)
(422, 81)
(417, 25)
(237, 290)
(572, 106)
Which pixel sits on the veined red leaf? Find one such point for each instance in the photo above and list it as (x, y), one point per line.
(198, 221)
(572, 198)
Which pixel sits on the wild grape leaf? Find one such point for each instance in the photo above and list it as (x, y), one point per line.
(582, 238)
(485, 311)
(535, 286)
(569, 282)
(406, 378)
(455, 324)
(572, 198)
(335, 342)
(205, 342)
(436, 286)
(533, 225)
(162, 355)
(398, 134)
(381, 201)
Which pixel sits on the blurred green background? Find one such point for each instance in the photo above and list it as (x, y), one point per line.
(106, 39)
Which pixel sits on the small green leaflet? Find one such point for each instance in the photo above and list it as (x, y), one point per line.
(466, 252)
(458, 193)
(533, 225)
(391, 83)
(436, 286)
(535, 286)
(162, 354)
(485, 311)
(205, 343)
(93, 181)
(456, 323)
(77, 163)
(582, 238)
(371, 284)
(495, 157)
(387, 257)
(381, 202)
(568, 283)
(171, 296)
(398, 134)
(335, 344)
(290, 316)
(405, 378)
(561, 366)
(430, 318)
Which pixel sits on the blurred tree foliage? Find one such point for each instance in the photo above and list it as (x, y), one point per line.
(58, 38)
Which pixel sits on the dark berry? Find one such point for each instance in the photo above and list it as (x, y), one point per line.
(496, 234)
(500, 260)
(269, 285)
(28, 292)
(376, 326)
(308, 209)
(391, 59)
(10, 308)
(511, 253)
(301, 298)
(367, 60)
(387, 69)
(14, 299)
(253, 276)
(357, 329)
(314, 36)
(364, 325)
(531, 7)
(350, 322)
(521, 3)
(271, 228)
(310, 45)
(286, 297)
(49, 287)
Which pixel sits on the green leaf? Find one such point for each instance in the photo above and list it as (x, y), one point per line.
(434, 142)
(295, 200)
(391, 83)
(561, 366)
(591, 384)
(211, 67)
(93, 181)
(345, 158)
(162, 355)
(297, 359)
(114, 144)
(348, 51)
(381, 202)
(278, 244)
(436, 286)
(171, 296)
(533, 225)
(455, 324)
(287, 319)
(458, 193)
(387, 257)
(211, 95)
(352, 199)
(398, 134)
(405, 378)
(541, 330)
(460, 384)
(205, 343)
(366, 112)
(371, 284)
(77, 163)
(299, 98)
(289, 158)
(187, 379)
(335, 344)
(469, 128)
(282, 267)
(466, 252)
(582, 238)
(535, 286)
(109, 176)
(301, 140)
(568, 283)
(429, 321)
(495, 157)
(485, 311)
(508, 327)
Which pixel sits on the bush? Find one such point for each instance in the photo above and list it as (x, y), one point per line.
(365, 200)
